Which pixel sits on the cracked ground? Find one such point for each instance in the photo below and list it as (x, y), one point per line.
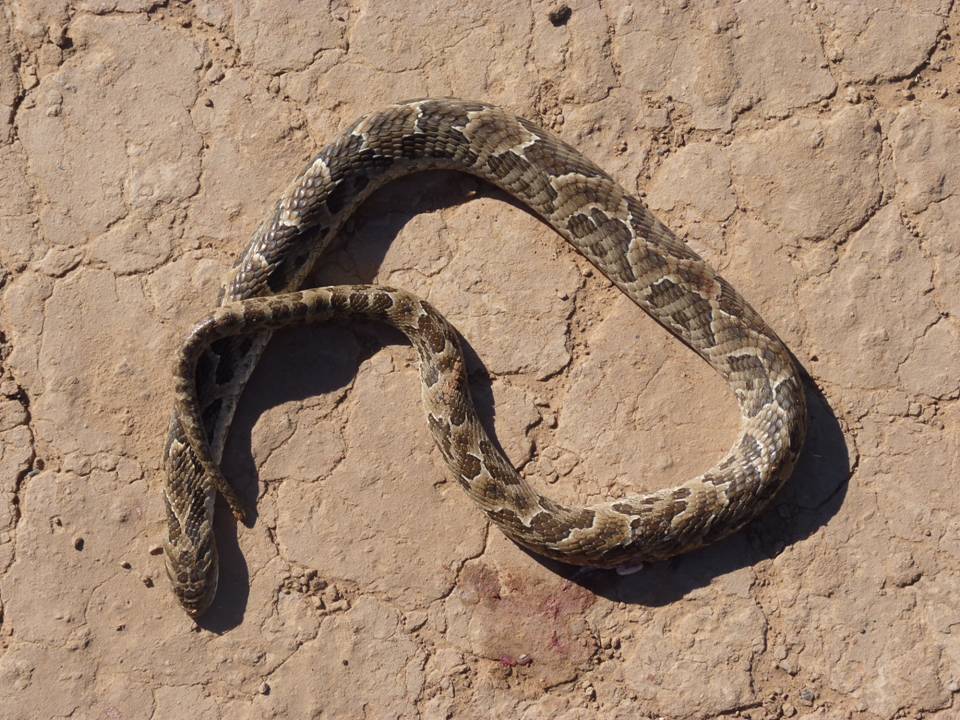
(806, 149)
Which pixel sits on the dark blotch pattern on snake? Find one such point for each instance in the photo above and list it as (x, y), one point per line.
(656, 270)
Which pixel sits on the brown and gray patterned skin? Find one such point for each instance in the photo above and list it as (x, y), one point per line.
(660, 273)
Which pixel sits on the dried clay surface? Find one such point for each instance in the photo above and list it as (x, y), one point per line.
(807, 149)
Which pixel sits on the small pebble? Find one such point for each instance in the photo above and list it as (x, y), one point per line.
(156, 549)
(807, 696)
(264, 689)
(416, 620)
(214, 74)
(146, 580)
(559, 16)
(125, 565)
(78, 543)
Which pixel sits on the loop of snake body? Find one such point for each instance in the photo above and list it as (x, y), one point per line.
(612, 229)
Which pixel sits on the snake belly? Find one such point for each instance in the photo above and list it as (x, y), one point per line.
(589, 209)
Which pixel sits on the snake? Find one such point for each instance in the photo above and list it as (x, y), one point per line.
(607, 225)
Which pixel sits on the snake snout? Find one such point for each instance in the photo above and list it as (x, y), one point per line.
(193, 577)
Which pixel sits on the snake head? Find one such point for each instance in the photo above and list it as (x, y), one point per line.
(193, 573)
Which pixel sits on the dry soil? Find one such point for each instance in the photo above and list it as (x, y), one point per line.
(807, 149)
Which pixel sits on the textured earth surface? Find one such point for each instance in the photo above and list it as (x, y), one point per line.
(808, 149)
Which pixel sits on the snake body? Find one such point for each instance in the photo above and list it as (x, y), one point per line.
(612, 229)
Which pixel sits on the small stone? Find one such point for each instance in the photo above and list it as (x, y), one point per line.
(264, 689)
(807, 696)
(903, 570)
(415, 620)
(28, 77)
(120, 627)
(214, 74)
(590, 692)
(146, 580)
(560, 15)
(155, 549)
(788, 710)
(125, 564)
(78, 543)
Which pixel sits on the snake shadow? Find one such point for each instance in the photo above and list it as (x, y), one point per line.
(811, 496)
(302, 363)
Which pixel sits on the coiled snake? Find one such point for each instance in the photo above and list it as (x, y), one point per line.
(638, 254)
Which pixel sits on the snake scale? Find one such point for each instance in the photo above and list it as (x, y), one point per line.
(612, 229)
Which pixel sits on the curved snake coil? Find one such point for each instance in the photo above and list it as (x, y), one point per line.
(639, 255)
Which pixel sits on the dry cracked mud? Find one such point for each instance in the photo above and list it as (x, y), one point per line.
(807, 149)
